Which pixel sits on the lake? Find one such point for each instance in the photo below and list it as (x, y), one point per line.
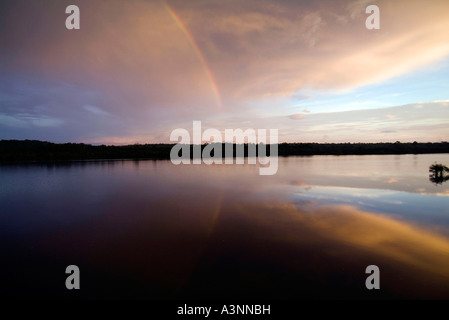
(150, 229)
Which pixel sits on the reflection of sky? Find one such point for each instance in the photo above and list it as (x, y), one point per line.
(409, 173)
(409, 206)
(215, 228)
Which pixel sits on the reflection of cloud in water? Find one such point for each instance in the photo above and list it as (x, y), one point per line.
(444, 193)
(410, 248)
(305, 186)
(382, 172)
(384, 235)
(381, 201)
(393, 202)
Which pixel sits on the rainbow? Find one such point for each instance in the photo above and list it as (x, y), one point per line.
(209, 232)
(197, 50)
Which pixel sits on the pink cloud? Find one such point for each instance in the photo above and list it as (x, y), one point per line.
(253, 49)
(297, 116)
(157, 71)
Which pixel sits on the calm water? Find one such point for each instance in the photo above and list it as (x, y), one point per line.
(150, 229)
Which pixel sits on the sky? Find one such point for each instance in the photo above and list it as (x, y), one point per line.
(137, 70)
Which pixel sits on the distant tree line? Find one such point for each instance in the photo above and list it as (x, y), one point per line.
(289, 149)
(32, 150)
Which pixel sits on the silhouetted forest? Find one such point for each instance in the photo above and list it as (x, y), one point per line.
(32, 150)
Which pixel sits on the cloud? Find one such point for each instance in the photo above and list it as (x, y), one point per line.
(47, 122)
(11, 121)
(356, 8)
(310, 24)
(297, 116)
(444, 103)
(388, 131)
(253, 50)
(26, 120)
(153, 68)
(300, 96)
(410, 124)
(309, 50)
(96, 110)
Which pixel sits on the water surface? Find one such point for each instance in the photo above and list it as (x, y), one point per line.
(150, 229)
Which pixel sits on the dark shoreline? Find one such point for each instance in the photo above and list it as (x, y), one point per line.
(32, 151)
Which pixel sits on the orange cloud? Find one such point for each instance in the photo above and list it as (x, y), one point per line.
(253, 50)
(150, 67)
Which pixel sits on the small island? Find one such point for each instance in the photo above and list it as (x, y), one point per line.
(438, 173)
